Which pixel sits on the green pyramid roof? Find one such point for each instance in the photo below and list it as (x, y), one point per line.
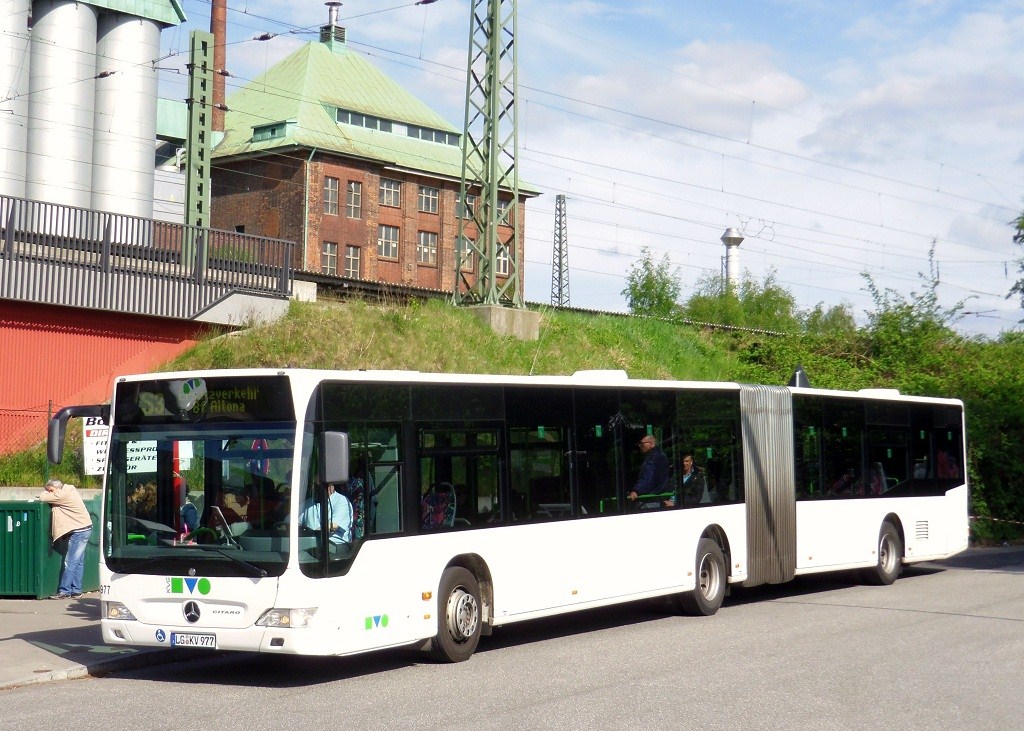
(165, 12)
(300, 97)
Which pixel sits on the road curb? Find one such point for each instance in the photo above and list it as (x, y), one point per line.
(101, 668)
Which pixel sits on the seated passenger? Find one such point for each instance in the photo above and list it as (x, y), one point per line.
(142, 501)
(876, 479)
(693, 485)
(262, 502)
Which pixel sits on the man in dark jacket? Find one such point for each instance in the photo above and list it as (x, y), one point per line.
(653, 476)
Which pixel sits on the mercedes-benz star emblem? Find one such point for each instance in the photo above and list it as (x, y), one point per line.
(191, 611)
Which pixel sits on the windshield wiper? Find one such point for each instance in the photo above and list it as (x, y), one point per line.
(253, 569)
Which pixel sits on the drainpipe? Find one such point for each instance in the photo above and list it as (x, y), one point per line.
(305, 209)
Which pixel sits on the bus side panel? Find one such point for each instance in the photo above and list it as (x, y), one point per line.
(936, 527)
(836, 534)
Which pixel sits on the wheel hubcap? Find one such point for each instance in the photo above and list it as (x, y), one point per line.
(886, 554)
(709, 577)
(462, 614)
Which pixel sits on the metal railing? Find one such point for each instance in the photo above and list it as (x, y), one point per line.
(76, 257)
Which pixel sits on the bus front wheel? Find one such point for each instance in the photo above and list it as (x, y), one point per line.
(458, 620)
(707, 595)
(890, 557)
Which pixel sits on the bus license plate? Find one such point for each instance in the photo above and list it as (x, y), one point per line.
(186, 639)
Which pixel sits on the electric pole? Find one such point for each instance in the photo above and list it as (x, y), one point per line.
(489, 151)
(560, 257)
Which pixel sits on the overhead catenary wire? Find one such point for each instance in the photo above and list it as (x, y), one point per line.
(779, 223)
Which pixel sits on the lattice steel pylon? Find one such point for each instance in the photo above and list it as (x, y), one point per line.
(560, 257)
(489, 151)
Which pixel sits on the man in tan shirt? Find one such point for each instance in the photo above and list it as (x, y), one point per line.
(70, 519)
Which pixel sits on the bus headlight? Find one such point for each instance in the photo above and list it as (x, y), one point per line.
(115, 610)
(286, 617)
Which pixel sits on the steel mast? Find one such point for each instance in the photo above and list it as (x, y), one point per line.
(489, 151)
(560, 257)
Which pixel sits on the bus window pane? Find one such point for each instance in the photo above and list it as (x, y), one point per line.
(374, 484)
(599, 451)
(364, 402)
(887, 412)
(841, 445)
(539, 421)
(436, 402)
(707, 429)
(888, 468)
(649, 412)
(946, 440)
(810, 483)
(458, 471)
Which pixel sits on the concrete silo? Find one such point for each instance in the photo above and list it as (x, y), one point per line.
(78, 100)
(62, 88)
(14, 84)
(124, 129)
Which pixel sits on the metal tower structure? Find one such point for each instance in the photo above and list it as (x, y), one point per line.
(489, 151)
(560, 257)
(198, 143)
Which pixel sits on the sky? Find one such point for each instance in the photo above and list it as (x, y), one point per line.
(838, 138)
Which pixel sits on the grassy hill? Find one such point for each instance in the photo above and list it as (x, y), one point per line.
(434, 337)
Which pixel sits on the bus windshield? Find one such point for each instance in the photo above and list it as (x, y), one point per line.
(202, 486)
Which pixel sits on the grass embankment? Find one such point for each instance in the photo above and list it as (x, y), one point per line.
(435, 337)
(430, 337)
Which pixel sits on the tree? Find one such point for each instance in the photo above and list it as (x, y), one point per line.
(764, 304)
(652, 289)
(1018, 239)
(823, 320)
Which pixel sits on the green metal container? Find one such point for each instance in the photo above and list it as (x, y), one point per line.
(30, 565)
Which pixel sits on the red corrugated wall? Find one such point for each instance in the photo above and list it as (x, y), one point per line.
(71, 356)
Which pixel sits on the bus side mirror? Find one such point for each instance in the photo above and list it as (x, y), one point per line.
(59, 424)
(334, 457)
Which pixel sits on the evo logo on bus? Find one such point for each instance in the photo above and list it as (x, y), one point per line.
(380, 620)
(187, 584)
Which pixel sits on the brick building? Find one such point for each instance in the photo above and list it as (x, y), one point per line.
(327, 151)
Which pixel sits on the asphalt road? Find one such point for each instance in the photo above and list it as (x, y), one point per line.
(942, 648)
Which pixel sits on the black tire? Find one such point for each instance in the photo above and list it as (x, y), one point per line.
(890, 557)
(711, 576)
(458, 616)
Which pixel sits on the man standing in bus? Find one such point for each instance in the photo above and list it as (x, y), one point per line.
(653, 472)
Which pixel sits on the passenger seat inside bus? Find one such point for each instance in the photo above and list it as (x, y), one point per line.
(437, 508)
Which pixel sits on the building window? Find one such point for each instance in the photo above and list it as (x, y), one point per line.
(387, 242)
(329, 258)
(503, 210)
(464, 211)
(502, 265)
(352, 262)
(428, 199)
(465, 253)
(331, 196)
(426, 248)
(354, 199)
(390, 193)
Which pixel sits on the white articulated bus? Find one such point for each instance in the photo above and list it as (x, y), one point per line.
(337, 512)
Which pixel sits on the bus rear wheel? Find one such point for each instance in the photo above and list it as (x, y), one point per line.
(458, 616)
(890, 557)
(707, 595)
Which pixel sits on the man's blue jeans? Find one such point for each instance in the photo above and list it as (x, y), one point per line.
(74, 562)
